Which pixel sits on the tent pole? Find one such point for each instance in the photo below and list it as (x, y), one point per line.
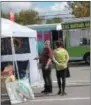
(14, 58)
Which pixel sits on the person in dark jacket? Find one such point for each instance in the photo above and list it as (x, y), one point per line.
(46, 61)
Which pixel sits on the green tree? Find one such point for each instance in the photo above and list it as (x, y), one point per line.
(25, 17)
(7, 16)
(53, 20)
(80, 8)
(29, 17)
(4, 15)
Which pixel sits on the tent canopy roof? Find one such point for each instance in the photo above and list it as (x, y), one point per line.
(12, 29)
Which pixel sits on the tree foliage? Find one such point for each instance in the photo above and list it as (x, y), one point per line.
(25, 17)
(29, 17)
(53, 20)
(80, 8)
(5, 15)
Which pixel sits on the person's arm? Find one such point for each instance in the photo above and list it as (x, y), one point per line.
(50, 56)
(66, 56)
(39, 57)
(49, 61)
(3, 73)
(36, 58)
(54, 60)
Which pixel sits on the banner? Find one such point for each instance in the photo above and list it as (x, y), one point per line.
(19, 91)
(12, 16)
(39, 36)
(76, 25)
(47, 35)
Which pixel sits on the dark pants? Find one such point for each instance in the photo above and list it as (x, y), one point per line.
(61, 79)
(47, 78)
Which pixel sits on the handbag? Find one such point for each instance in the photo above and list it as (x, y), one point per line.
(67, 73)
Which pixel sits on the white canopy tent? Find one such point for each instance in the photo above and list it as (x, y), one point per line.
(9, 28)
(12, 29)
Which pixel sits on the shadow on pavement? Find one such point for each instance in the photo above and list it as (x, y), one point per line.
(78, 64)
(7, 102)
(44, 95)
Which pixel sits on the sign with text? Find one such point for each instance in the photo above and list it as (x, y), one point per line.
(76, 25)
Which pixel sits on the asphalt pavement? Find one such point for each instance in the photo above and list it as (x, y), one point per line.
(77, 88)
(75, 96)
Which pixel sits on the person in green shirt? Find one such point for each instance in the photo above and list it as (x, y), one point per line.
(60, 58)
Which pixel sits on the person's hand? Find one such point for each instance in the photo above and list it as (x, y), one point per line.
(46, 67)
(58, 64)
(61, 65)
(0, 73)
(36, 58)
(3, 73)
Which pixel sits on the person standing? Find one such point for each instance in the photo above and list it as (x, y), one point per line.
(62, 43)
(64, 46)
(46, 61)
(61, 58)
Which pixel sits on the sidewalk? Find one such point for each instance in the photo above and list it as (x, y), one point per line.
(80, 92)
(80, 76)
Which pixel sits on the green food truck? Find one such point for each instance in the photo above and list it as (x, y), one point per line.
(75, 33)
